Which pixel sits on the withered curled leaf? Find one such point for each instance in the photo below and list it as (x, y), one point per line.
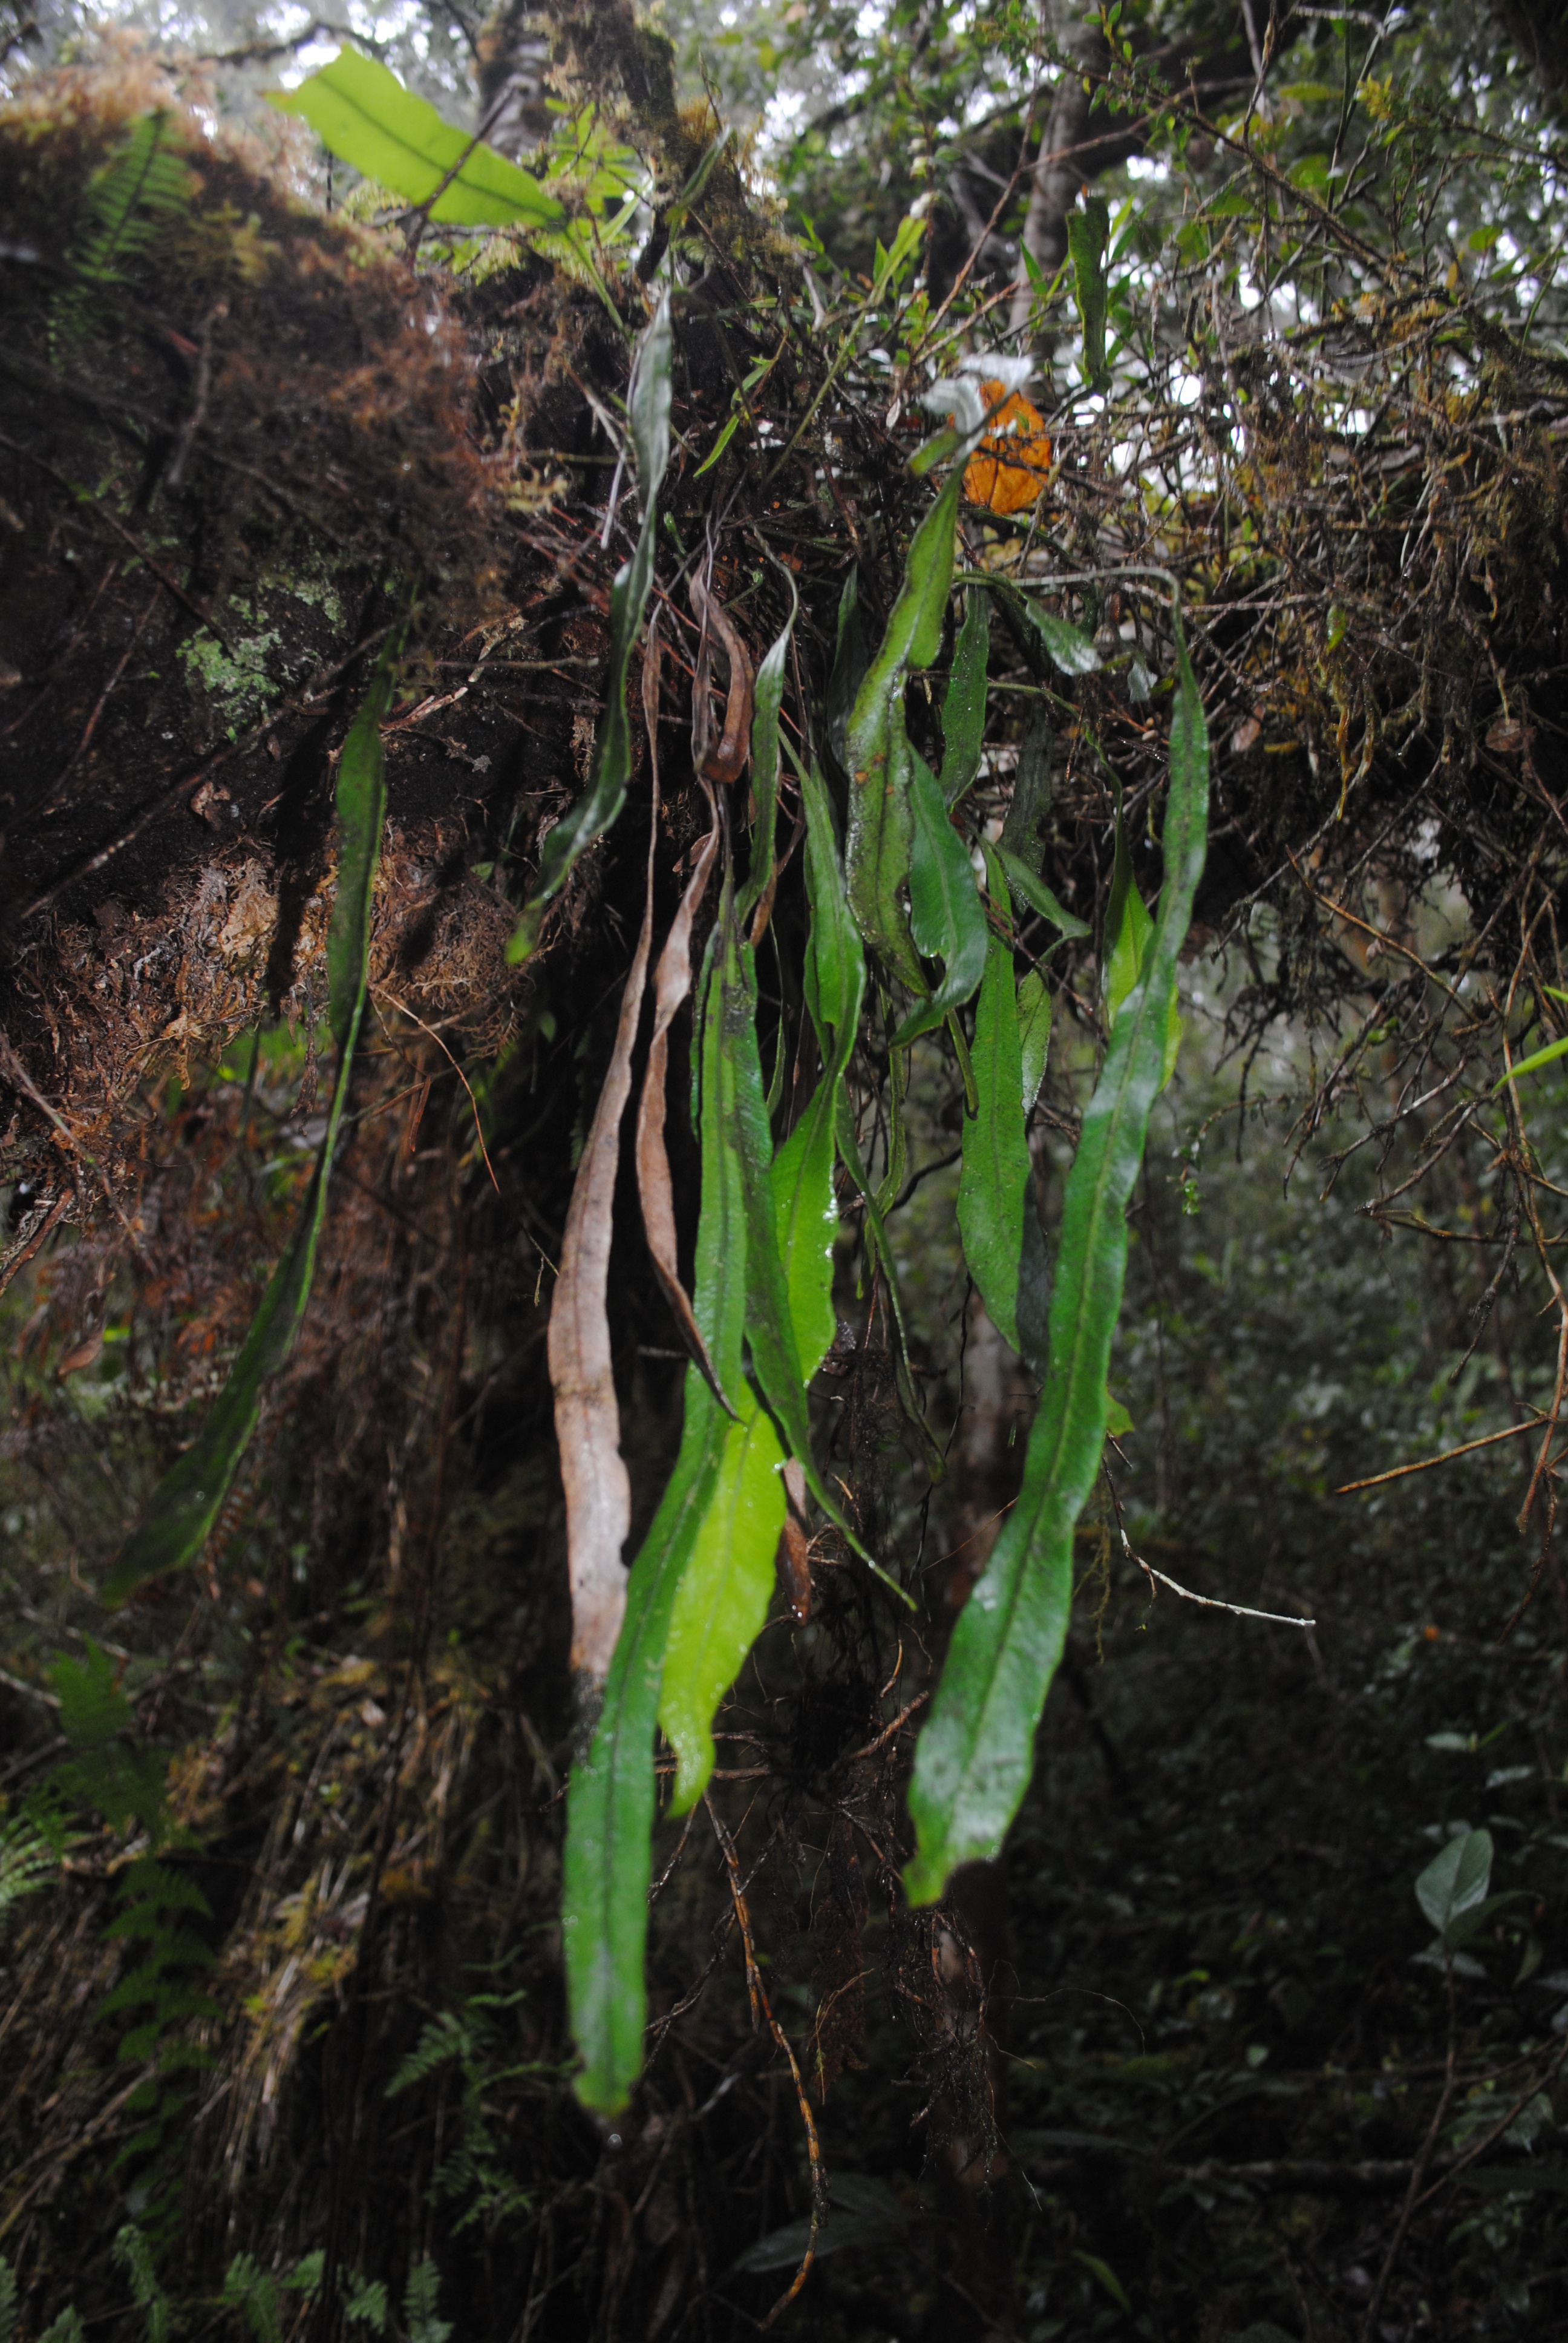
(671, 983)
(793, 1561)
(588, 1422)
(727, 761)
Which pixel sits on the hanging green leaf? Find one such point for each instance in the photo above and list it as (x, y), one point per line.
(767, 692)
(835, 979)
(808, 1224)
(891, 1186)
(185, 1504)
(945, 915)
(1128, 926)
(1069, 648)
(1032, 894)
(769, 1327)
(725, 1590)
(974, 1757)
(1451, 1890)
(1033, 1033)
(1002, 1244)
(1129, 930)
(722, 1600)
(362, 114)
(881, 759)
(1031, 789)
(963, 708)
(1087, 231)
(649, 400)
(1533, 1064)
(607, 1860)
(881, 1254)
(851, 657)
(834, 976)
(610, 1804)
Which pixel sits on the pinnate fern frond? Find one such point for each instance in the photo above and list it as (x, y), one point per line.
(129, 203)
(27, 1861)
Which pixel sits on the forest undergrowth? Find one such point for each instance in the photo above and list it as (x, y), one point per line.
(1138, 796)
(1169, 2073)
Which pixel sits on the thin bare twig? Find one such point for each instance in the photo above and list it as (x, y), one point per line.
(759, 2002)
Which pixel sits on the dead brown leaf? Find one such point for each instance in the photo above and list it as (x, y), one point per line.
(727, 761)
(588, 1422)
(671, 983)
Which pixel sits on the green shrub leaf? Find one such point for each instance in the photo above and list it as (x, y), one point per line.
(1002, 1242)
(945, 915)
(1034, 1034)
(362, 114)
(974, 1757)
(879, 757)
(964, 706)
(723, 1596)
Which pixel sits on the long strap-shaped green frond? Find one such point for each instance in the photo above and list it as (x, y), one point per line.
(976, 1753)
(899, 836)
(186, 1501)
(610, 1804)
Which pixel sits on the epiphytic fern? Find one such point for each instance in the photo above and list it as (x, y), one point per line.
(127, 203)
(27, 1861)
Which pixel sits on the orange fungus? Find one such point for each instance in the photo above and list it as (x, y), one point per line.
(1008, 471)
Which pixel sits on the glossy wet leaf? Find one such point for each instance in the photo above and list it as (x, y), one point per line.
(835, 977)
(1128, 926)
(649, 400)
(973, 1760)
(362, 114)
(606, 1862)
(1031, 893)
(1004, 1248)
(851, 657)
(945, 915)
(725, 1589)
(1069, 648)
(768, 698)
(769, 1327)
(1033, 1033)
(1087, 231)
(879, 756)
(187, 1501)
(1129, 930)
(722, 1600)
(964, 704)
(1456, 1881)
(1031, 789)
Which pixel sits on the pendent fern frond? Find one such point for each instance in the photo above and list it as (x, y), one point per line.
(129, 203)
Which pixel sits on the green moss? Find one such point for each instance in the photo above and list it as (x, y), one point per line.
(235, 679)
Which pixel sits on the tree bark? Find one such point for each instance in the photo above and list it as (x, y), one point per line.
(1068, 159)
